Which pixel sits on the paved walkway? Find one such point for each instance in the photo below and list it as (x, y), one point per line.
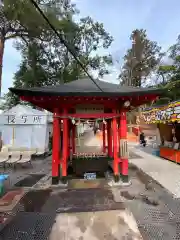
(144, 199)
(163, 171)
(153, 221)
(95, 226)
(90, 143)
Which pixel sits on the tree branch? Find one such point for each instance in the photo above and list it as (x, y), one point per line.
(15, 35)
(24, 39)
(13, 30)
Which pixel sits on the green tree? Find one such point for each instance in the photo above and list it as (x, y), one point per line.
(49, 63)
(31, 72)
(171, 75)
(165, 71)
(20, 20)
(86, 38)
(140, 60)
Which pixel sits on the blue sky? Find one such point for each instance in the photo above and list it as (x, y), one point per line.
(161, 19)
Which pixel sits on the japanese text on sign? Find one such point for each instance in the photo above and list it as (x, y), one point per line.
(89, 108)
(24, 119)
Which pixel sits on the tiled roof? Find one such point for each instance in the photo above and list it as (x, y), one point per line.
(85, 87)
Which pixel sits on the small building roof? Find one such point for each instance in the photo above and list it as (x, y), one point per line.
(85, 87)
(20, 110)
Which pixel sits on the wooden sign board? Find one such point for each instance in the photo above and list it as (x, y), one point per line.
(90, 108)
(23, 119)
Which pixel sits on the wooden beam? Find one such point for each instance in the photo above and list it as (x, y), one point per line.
(51, 102)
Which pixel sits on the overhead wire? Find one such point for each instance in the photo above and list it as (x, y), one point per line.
(62, 40)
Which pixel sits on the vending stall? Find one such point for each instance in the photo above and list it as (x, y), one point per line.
(167, 118)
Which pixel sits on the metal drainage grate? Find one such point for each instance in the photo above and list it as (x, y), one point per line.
(154, 223)
(29, 226)
(157, 231)
(156, 216)
(173, 205)
(177, 230)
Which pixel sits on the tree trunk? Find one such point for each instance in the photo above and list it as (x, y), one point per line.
(2, 44)
(163, 79)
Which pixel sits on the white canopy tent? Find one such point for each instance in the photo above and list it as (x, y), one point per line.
(23, 126)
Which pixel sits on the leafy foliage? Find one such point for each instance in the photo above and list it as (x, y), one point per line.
(165, 71)
(45, 61)
(140, 60)
(20, 20)
(171, 74)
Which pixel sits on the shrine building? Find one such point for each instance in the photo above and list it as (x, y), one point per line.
(82, 100)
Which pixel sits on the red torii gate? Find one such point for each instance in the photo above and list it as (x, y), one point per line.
(63, 101)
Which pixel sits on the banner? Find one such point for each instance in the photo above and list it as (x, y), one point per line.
(162, 114)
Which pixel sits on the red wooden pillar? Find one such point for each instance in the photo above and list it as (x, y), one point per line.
(123, 147)
(104, 137)
(69, 139)
(65, 145)
(56, 148)
(119, 137)
(115, 150)
(73, 138)
(109, 138)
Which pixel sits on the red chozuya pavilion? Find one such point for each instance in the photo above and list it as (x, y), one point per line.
(82, 99)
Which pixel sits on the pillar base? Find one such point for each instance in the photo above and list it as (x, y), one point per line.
(125, 178)
(64, 180)
(116, 178)
(55, 180)
(117, 181)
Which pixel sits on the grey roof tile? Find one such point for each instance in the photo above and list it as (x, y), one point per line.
(82, 86)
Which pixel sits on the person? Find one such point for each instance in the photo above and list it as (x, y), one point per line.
(95, 130)
(96, 127)
(142, 139)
